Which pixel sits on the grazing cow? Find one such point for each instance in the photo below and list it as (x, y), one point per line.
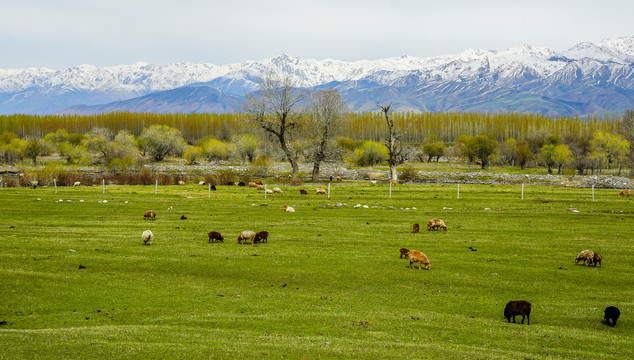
(262, 236)
(587, 256)
(404, 252)
(213, 187)
(597, 259)
(436, 224)
(183, 217)
(246, 235)
(416, 256)
(150, 214)
(612, 313)
(416, 228)
(258, 182)
(624, 193)
(241, 183)
(521, 307)
(303, 192)
(321, 191)
(215, 236)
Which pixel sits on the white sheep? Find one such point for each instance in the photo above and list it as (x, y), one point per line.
(201, 183)
(288, 208)
(181, 182)
(277, 190)
(147, 237)
(269, 191)
(76, 183)
(246, 235)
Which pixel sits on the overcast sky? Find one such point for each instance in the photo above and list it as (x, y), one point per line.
(63, 33)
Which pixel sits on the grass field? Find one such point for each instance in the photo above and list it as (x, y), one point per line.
(328, 284)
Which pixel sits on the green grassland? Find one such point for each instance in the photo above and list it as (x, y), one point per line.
(328, 284)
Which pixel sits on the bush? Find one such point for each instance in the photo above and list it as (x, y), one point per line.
(408, 174)
(370, 154)
(193, 154)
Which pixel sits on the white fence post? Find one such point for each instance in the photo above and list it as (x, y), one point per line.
(103, 186)
(328, 190)
(592, 193)
(156, 188)
(209, 190)
(55, 183)
(522, 191)
(390, 189)
(458, 191)
(264, 191)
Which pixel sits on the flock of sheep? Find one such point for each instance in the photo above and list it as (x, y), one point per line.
(512, 309)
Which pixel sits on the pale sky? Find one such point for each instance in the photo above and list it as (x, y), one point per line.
(64, 33)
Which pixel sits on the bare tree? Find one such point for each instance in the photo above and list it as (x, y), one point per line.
(396, 151)
(327, 113)
(277, 108)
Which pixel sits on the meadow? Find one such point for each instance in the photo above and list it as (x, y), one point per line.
(76, 280)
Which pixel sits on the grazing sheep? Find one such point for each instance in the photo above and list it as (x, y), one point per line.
(597, 259)
(404, 252)
(435, 224)
(76, 183)
(416, 228)
(624, 193)
(215, 236)
(34, 184)
(586, 256)
(259, 187)
(262, 236)
(147, 237)
(150, 214)
(213, 187)
(252, 184)
(201, 183)
(416, 256)
(181, 182)
(612, 313)
(258, 182)
(288, 208)
(521, 307)
(303, 192)
(373, 182)
(183, 217)
(278, 190)
(246, 235)
(321, 191)
(338, 178)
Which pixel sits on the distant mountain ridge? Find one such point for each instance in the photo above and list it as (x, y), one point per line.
(587, 78)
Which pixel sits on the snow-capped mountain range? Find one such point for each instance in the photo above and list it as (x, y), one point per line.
(587, 78)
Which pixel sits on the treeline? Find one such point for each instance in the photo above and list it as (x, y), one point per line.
(446, 127)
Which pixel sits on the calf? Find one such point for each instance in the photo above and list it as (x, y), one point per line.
(215, 236)
(416, 228)
(612, 313)
(404, 252)
(624, 193)
(521, 307)
(303, 192)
